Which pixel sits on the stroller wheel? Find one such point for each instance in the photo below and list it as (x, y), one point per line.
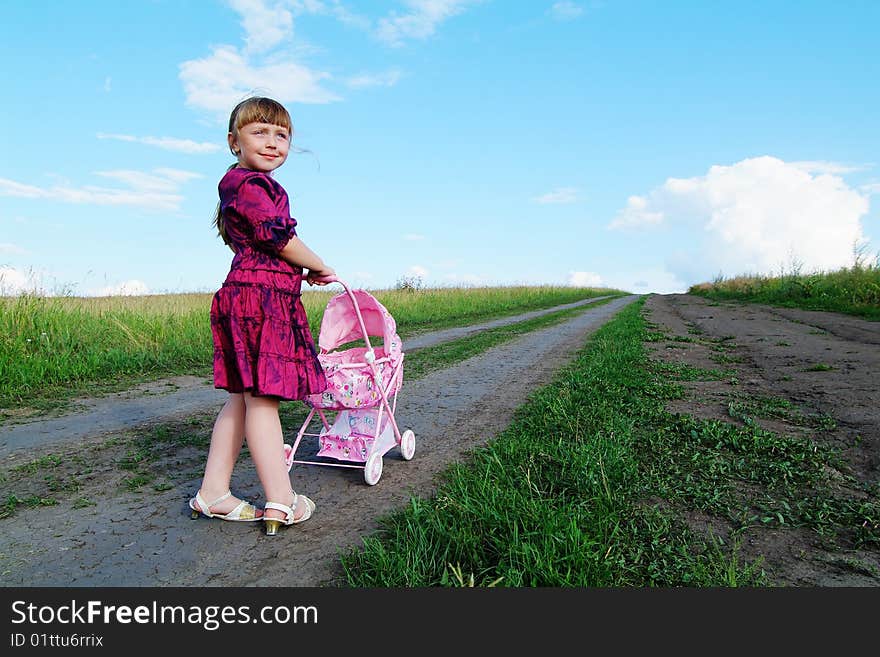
(373, 469)
(407, 445)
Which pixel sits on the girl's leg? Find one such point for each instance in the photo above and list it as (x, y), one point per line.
(266, 444)
(226, 441)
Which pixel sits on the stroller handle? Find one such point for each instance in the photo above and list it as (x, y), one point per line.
(327, 279)
(333, 279)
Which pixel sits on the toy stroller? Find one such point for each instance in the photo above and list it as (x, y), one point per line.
(362, 387)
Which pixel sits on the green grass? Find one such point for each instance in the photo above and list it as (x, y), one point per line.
(819, 367)
(422, 361)
(744, 407)
(143, 453)
(591, 485)
(854, 290)
(54, 348)
(9, 507)
(593, 481)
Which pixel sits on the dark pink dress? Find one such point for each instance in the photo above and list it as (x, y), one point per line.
(262, 341)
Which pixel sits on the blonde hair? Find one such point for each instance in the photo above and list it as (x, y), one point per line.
(257, 109)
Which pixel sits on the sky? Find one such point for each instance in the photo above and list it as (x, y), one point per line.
(644, 146)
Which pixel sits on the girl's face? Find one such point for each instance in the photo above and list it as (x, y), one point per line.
(260, 146)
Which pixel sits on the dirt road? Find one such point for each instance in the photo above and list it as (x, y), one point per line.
(825, 364)
(145, 538)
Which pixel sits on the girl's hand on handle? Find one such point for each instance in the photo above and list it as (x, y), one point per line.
(321, 276)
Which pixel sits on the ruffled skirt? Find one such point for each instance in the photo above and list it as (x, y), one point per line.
(263, 344)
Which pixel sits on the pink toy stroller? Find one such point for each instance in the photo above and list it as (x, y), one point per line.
(363, 383)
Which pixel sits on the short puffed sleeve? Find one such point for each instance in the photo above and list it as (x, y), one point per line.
(264, 207)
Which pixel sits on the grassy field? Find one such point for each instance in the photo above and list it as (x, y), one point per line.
(141, 455)
(53, 348)
(854, 290)
(593, 482)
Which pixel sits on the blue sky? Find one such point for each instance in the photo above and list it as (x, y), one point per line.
(632, 144)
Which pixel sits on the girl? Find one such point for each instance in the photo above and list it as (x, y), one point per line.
(263, 348)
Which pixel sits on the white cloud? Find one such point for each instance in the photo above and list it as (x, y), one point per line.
(386, 79)
(131, 287)
(168, 143)
(558, 196)
(822, 166)
(154, 191)
(265, 66)
(413, 237)
(333, 8)
(14, 282)
(757, 216)
(13, 188)
(12, 249)
(228, 75)
(566, 11)
(420, 22)
(349, 18)
(218, 82)
(265, 24)
(871, 188)
(177, 175)
(636, 214)
(108, 84)
(584, 279)
(163, 180)
(417, 270)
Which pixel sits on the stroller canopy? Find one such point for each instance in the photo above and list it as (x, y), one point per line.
(340, 324)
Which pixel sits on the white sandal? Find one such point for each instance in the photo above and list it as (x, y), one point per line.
(272, 524)
(244, 512)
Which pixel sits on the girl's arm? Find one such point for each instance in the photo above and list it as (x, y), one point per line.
(297, 253)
